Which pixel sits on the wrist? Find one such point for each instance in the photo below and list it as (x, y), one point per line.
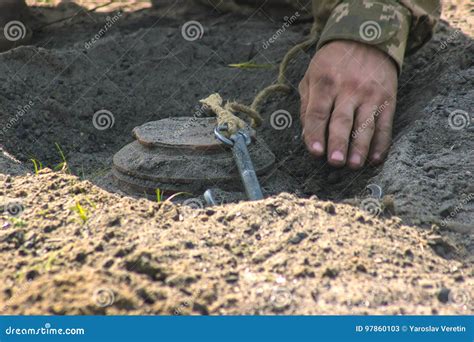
(383, 24)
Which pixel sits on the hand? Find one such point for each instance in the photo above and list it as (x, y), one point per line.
(348, 99)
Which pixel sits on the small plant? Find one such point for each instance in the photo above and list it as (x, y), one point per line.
(92, 204)
(37, 165)
(159, 195)
(62, 166)
(250, 65)
(81, 211)
(17, 222)
(48, 264)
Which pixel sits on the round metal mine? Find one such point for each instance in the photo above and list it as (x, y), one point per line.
(181, 154)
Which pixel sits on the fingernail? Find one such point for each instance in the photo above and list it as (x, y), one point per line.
(376, 157)
(337, 156)
(356, 159)
(318, 147)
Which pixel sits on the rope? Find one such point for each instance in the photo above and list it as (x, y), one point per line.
(227, 115)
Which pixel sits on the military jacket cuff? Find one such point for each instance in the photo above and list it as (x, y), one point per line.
(384, 24)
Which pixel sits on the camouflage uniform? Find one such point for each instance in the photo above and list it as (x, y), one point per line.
(393, 26)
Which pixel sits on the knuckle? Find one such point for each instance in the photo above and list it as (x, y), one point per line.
(319, 114)
(352, 83)
(326, 80)
(370, 88)
(343, 119)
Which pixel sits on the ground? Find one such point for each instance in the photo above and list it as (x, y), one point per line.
(72, 243)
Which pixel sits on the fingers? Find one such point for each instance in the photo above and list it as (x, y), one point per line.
(383, 133)
(364, 127)
(340, 129)
(316, 117)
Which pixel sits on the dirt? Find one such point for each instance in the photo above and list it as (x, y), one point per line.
(71, 242)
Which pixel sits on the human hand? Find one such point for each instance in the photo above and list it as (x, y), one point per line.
(348, 99)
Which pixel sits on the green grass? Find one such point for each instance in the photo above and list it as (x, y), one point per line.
(81, 211)
(250, 65)
(37, 165)
(159, 195)
(63, 165)
(17, 222)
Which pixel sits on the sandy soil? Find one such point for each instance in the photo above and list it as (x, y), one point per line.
(72, 243)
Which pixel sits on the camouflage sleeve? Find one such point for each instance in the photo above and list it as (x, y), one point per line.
(393, 26)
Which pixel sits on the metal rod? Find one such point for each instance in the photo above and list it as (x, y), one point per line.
(245, 166)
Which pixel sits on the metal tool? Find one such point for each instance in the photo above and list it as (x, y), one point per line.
(239, 142)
